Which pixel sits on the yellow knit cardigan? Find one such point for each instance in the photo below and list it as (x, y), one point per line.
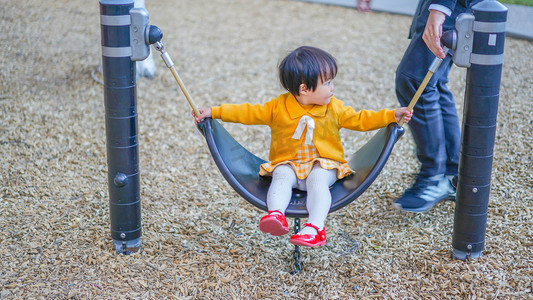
(282, 114)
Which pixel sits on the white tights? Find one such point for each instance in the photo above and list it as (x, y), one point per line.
(318, 195)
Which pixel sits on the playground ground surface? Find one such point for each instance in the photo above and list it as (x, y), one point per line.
(200, 239)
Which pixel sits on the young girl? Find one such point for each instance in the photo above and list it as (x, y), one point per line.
(305, 149)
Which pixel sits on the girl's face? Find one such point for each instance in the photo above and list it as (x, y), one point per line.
(320, 96)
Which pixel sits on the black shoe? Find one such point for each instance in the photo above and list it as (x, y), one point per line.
(453, 181)
(425, 193)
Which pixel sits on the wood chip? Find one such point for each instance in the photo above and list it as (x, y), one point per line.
(200, 239)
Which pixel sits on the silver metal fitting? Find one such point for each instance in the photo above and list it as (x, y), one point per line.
(139, 25)
(159, 46)
(464, 25)
(436, 62)
(164, 55)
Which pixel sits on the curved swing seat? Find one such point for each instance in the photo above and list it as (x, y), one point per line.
(241, 168)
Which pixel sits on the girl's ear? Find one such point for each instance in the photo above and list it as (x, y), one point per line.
(303, 89)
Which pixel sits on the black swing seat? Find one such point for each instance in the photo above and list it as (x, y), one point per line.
(241, 168)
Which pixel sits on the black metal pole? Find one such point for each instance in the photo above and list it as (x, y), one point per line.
(121, 125)
(479, 129)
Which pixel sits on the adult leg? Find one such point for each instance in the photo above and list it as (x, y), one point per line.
(434, 126)
(452, 129)
(434, 111)
(426, 125)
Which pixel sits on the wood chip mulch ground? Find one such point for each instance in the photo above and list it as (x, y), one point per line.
(200, 239)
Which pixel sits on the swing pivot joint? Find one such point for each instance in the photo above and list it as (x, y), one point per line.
(139, 25)
(142, 35)
(461, 39)
(164, 55)
(153, 35)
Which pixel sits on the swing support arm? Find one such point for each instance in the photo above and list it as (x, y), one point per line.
(170, 64)
(432, 69)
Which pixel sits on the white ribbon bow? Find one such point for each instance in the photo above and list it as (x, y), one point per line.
(305, 120)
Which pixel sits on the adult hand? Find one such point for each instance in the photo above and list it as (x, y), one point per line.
(433, 32)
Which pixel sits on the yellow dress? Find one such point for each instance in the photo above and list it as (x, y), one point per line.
(304, 161)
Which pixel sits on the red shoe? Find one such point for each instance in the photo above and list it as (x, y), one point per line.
(275, 224)
(310, 240)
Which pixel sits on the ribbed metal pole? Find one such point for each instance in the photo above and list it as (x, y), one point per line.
(121, 125)
(479, 129)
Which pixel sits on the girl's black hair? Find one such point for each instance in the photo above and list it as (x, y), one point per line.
(305, 65)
